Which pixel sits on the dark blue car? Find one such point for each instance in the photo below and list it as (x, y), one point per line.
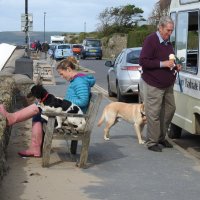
(91, 48)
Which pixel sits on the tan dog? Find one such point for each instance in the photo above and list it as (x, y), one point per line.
(132, 113)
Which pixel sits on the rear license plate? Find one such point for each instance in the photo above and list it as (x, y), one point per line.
(93, 50)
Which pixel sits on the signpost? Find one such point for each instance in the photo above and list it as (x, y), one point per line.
(24, 65)
(26, 26)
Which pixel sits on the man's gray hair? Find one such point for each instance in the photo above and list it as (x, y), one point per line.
(164, 21)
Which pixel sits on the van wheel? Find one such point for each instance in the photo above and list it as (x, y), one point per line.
(174, 131)
(120, 97)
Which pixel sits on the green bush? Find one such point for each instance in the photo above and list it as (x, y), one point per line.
(136, 38)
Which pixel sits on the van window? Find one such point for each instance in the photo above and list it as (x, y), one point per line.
(172, 37)
(64, 47)
(93, 43)
(187, 40)
(188, 1)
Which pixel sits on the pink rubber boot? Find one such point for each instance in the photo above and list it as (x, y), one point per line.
(21, 115)
(34, 149)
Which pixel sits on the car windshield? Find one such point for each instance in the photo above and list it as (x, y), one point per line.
(76, 46)
(133, 56)
(64, 47)
(93, 43)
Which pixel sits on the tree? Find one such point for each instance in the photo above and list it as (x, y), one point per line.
(119, 19)
(161, 9)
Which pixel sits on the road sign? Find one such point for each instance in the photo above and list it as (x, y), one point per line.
(26, 22)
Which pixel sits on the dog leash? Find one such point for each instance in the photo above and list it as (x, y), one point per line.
(179, 81)
(178, 61)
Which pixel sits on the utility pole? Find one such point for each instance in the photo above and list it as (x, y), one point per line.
(26, 27)
(84, 29)
(24, 65)
(44, 26)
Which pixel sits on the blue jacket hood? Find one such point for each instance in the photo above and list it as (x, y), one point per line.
(91, 80)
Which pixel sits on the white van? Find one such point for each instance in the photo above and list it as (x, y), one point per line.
(185, 39)
(57, 39)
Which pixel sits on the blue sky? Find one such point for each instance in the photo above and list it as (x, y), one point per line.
(62, 15)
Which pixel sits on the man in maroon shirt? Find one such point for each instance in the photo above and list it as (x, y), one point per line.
(158, 77)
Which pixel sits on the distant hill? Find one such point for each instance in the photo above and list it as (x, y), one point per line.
(18, 37)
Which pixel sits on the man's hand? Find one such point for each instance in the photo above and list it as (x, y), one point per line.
(178, 67)
(168, 63)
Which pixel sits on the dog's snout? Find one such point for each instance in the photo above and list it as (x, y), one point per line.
(29, 95)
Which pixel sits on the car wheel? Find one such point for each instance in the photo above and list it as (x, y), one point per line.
(174, 131)
(120, 98)
(110, 93)
(82, 56)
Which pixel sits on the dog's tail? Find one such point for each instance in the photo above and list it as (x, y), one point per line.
(101, 119)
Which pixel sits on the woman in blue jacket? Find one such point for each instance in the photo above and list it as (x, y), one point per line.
(78, 92)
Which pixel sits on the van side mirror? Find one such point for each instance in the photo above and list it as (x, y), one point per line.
(182, 59)
(108, 63)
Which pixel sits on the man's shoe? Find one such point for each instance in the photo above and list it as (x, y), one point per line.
(155, 147)
(166, 144)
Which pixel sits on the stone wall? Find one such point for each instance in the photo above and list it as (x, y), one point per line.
(112, 46)
(13, 87)
(6, 97)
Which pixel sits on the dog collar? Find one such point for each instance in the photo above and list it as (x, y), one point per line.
(44, 98)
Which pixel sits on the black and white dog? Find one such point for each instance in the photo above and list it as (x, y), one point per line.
(48, 102)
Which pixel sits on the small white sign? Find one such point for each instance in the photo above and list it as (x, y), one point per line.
(190, 85)
(26, 22)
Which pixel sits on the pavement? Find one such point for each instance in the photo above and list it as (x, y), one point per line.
(117, 169)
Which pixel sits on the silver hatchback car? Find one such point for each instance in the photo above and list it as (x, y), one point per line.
(124, 73)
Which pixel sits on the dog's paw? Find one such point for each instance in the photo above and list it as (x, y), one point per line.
(106, 138)
(57, 127)
(142, 142)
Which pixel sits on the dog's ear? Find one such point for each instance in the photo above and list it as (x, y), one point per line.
(29, 95)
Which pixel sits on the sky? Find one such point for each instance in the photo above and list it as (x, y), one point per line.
(63, 15)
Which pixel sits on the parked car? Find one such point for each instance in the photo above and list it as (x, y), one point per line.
(91, 48)
(76, 48)
(51, 48)
(62, 51)
(124, 73)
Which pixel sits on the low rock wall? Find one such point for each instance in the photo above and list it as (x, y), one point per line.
(6, 97)
(13, 88)
(114, 45)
